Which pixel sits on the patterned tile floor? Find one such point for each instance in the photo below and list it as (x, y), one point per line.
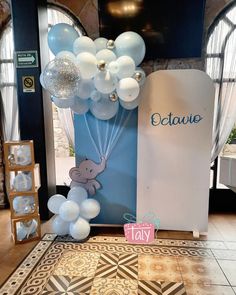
(111, 266)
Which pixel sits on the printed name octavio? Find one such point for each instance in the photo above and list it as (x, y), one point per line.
(171, 120)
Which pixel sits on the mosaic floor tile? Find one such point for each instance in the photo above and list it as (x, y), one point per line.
(106, 271)
(57, 283)
(114, 287)
(158, 268)
(107, 265)
(225, 254)
(75, 263)
(81, 285)
(149, 288)
(112, 266)
(201, 270)
(173, 288)
(200, 289)
(229, 269)
(127, 266)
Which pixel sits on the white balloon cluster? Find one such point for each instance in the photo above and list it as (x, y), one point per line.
(94, 75)
(73, 213)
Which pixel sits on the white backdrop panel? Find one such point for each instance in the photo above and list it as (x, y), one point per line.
(174, 159)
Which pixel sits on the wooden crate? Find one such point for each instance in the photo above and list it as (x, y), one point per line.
(32, 199)
(10, 150)
(30, 169)
(26, 220)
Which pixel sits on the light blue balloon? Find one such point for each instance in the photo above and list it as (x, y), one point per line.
(104, 109)
(131, 44)
(80, 106)
(41, 80)
(132, 104)
(61, 37)
(63, 103)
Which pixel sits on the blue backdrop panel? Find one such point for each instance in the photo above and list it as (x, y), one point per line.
(118, 192)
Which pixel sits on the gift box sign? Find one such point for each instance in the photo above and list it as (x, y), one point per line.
(139, 233)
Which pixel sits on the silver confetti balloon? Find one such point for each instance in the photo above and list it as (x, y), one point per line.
(61, 77)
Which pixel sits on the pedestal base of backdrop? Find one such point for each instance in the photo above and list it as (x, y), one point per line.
(174, 147)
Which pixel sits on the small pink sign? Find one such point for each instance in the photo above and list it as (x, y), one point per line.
(139, 233)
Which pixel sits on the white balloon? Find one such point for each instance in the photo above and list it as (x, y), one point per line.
(84, 44)
(66, 54)
(89, 208)
(87, 64)
(104, 109)
(113, 67)
(85, 88)
(106, 55)
(69, 211)
(96, 95)
(126, 67)
(100, 43)
(77, 194)
(55, 202)
(80, 106)
(60, 227)
(105, 82)
(132, 104)
(80, 229)
(128, 89)
(22, 182)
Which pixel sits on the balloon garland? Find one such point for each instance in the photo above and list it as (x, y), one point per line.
(99, 75)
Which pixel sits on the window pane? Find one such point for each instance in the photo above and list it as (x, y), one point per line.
(213, 67)
(6, 44)
(217, 37)
(232, 15)
(55, 17)
(230, 57)
(7, 73)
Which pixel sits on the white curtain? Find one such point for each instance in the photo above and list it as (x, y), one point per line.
(221, 67)
(67, 119)
(65, 115)
(9, 103)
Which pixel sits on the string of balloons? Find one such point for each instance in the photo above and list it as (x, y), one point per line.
(99, 75)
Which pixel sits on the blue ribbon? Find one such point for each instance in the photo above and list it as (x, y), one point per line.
(149, 217)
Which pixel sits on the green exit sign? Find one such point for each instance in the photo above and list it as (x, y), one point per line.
(26, 59)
